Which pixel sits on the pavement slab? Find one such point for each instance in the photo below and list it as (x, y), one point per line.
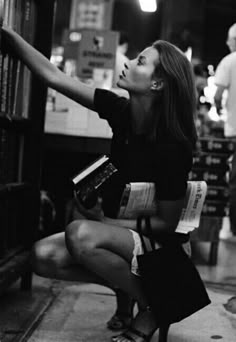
(79, 314)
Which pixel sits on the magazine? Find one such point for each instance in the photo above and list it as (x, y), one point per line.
(139, 198)
(89, 181)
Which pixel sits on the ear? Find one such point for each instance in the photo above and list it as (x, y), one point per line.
(157, 85)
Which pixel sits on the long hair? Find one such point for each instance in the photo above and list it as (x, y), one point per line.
(178, 99)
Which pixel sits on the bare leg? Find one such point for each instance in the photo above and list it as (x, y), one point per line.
(124, 303)
(51, 259)
(123, 315)
(106, 251)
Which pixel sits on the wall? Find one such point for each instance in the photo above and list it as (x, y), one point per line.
(203, 23)
(142, 28)
(219, 16)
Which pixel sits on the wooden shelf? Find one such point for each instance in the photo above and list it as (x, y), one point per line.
(11, 188)
(16, 266)
(15, 123)
(21, 142)
(10, 254)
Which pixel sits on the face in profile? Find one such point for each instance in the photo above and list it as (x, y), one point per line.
(137, 75)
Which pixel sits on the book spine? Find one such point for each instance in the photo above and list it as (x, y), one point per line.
(4, 73)
(29, 34)
(13, 82)
(23, 78)
(15, 78)
(8, 76)
(1, 71)
(1, 54)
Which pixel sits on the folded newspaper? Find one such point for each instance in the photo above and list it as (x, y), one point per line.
(140, 198)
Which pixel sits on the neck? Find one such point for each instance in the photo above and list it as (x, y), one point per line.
(141, 113)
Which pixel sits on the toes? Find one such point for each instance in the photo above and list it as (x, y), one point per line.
(120, 338)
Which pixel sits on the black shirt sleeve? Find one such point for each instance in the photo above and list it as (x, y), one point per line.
(110, 106)
(172, 168)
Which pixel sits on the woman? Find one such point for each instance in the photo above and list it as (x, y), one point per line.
(153, 138)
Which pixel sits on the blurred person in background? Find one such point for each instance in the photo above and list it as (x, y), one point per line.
(225, 79)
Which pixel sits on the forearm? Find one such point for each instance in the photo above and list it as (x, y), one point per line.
(218, 98)
(125, 223)
(157, 224)
(34, 60)
(218, 105)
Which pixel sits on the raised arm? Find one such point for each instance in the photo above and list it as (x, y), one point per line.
(218, 98)
(46, 71)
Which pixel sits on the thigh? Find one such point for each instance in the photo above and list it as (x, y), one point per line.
(102, 235)
(54, 247)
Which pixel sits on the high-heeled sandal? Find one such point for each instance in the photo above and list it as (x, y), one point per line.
(129, 338)
(119, 321)
(163, 335)
(131, 332)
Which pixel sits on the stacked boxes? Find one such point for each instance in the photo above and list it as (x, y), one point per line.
(211, 163)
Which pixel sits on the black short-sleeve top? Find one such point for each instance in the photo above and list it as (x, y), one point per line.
(166, 162)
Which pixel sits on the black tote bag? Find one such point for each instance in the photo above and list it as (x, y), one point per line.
(170, 280)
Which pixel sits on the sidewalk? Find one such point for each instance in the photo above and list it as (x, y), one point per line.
(66, 312)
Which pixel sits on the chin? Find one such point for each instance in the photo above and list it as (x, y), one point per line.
(121, 84)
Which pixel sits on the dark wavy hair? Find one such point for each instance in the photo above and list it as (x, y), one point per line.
(178, 97)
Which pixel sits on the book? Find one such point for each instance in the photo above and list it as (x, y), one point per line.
(15, 77)
(1, 12)
(28, 32)
(139, 198)
(88, 182)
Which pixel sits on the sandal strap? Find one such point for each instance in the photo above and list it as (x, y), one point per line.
(128, 337)
(139, 333)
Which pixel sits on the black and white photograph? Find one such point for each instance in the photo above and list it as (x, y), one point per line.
(117, 170)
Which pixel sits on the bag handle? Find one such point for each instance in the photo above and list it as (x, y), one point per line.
(149, 231)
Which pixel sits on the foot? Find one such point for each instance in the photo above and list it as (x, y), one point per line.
(142, 329)
(119, 321)
(124, 313)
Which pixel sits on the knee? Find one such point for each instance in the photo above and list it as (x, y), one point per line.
(79, 238)
(43, 256)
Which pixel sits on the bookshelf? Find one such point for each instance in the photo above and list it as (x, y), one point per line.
(22, 108)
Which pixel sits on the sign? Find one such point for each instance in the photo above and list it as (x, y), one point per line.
(97, 54)
(91, 14)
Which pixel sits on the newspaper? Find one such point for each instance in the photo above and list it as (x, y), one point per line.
(139, 198)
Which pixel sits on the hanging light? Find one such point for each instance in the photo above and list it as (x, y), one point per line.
(148, 5)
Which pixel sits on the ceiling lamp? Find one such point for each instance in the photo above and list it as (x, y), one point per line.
(148, 5)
